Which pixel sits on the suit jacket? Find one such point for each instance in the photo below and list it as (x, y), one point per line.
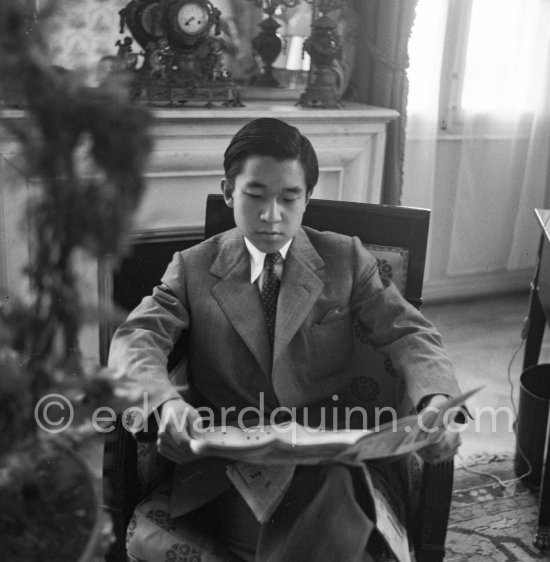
(329, 281)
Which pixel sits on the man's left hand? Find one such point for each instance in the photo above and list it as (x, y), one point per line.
(448, 442)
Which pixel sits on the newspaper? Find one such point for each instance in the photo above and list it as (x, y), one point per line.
(388, 522)
(292, 443)
(267, 457)
(261, 486)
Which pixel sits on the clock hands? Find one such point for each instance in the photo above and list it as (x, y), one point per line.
(187, 22)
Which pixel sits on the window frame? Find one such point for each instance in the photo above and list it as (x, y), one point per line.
(452, 118)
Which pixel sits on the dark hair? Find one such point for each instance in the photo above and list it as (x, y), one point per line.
(271, 137)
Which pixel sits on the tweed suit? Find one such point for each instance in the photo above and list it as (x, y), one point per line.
(329, 282)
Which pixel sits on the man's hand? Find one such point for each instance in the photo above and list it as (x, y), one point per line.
(448, 442)
(177, 421)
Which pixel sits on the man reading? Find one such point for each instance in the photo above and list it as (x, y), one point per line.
(267, 309)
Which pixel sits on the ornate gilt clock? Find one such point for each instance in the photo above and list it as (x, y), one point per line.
(183, 59)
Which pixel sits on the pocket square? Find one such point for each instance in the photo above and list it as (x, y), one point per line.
(334, 314)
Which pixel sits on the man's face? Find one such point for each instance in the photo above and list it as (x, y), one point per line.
(268, 199)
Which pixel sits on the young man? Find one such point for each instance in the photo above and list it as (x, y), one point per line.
(223, 294)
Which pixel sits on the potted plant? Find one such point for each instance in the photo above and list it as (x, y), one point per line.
(84, 150)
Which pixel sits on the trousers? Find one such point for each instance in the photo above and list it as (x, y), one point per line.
(319, 518)
(325, 515)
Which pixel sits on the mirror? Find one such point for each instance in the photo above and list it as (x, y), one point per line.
(84, 31)
(241, 21)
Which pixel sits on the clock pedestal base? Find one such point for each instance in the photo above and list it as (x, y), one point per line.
(159, 92)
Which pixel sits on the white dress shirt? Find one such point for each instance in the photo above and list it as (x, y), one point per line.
(257, 258)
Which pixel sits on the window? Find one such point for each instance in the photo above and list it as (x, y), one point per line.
(480, 57)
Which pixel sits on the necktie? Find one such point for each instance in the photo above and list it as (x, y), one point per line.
(270, 293)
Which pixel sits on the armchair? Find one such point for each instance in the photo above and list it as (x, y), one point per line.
(397, 236)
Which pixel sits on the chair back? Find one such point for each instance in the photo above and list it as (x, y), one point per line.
(397, 236)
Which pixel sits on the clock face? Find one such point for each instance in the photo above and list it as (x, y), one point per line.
(192, 18)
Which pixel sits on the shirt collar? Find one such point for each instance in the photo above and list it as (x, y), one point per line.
(257, 258)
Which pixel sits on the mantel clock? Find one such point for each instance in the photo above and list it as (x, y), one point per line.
(188, 22)
(183, 55)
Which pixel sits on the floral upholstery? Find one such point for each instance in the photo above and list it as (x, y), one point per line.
(375, 383)
(392, 263)
(173, 539)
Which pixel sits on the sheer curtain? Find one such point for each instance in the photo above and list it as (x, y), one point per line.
(484, 175)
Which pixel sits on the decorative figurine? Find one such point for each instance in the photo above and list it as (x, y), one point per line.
(324, 47)
(268, 43)
(125, 56)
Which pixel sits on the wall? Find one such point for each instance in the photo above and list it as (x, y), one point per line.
(83, 31)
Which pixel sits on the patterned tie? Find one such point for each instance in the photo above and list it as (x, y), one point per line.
(270, 293)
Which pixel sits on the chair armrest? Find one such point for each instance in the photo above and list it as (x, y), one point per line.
(432, 515)
(121, 485)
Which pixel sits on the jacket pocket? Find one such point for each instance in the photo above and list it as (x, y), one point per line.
(330, 344)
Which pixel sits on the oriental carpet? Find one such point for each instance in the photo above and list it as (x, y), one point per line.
(492, 517)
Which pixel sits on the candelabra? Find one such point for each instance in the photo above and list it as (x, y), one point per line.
(268, 43)
(324, 46)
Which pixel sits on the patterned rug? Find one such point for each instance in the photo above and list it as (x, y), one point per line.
(490, 521)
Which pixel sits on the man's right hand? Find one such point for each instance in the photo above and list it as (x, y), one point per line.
(177, 422)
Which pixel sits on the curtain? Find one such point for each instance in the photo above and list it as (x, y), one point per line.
(483, 180)
(380, 78)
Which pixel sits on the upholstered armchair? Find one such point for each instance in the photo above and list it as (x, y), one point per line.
(397, 237)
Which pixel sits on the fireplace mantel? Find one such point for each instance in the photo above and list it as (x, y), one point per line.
(187, 159)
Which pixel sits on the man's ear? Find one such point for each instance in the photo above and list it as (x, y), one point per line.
(227, 190)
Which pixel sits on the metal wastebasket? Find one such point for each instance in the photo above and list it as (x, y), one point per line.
(534, 397)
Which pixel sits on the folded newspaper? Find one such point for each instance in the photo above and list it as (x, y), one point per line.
(292, 443)
(267, 457)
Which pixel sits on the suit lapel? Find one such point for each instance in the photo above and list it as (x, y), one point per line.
(240, 299)
(300, 288)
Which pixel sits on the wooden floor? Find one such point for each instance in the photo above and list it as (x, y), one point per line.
(482, 337)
